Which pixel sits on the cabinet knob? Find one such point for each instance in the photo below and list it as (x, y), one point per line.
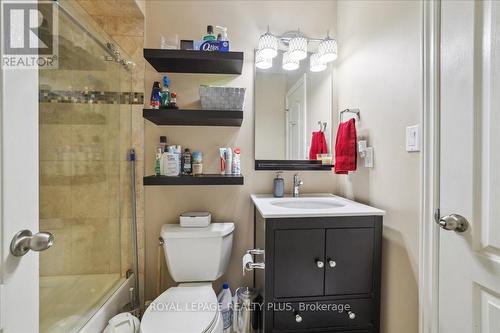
(351, 314)
(298, 318)
(320, 264)
(332, 263)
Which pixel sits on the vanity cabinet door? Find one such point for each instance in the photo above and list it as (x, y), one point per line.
(296, 268)
(349, 261)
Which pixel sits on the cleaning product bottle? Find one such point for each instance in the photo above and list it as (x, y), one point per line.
(225, 298)
(155, 95)
(165, 94)
(210, 33)
(236, 161)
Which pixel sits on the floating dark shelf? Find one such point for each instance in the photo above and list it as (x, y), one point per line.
(188, 61)
(194, 117)
(207, 179)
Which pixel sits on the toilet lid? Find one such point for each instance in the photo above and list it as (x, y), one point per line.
(186, 309)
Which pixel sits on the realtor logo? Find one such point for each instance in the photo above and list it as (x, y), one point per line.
(29, 34)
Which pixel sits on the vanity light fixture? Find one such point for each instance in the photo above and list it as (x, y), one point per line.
(290, 64)
(268, 45)
(297, 47)
(327, 50)
(296, 44)
(315, 64)
(262, 62)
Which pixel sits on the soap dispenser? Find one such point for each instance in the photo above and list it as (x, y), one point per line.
(279, 186)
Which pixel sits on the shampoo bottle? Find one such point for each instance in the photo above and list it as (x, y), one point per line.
(229, 160)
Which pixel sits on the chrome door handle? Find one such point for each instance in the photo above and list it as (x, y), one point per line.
(454, 222)
(24, 241)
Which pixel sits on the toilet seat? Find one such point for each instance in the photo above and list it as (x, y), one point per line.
(188, 308)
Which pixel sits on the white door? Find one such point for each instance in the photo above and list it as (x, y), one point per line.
(469, 269)
(295, 130)
(19, 206)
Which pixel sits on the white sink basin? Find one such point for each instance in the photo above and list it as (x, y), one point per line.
(307, 203)
(310, 205)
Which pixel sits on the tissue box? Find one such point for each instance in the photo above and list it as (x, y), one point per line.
(195, 219)
(211, 45)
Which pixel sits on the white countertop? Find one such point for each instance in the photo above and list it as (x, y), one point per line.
(265, 204)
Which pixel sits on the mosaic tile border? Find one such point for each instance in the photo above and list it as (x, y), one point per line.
(90, 97)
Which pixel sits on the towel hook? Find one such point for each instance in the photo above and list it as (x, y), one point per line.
(322, 126)
(355, 111)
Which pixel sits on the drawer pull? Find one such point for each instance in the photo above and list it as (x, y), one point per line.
(351, 314)
(320, 264)
(298, 318)
(332, 263)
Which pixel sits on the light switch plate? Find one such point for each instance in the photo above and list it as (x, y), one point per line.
(413, 138)
(369, 157)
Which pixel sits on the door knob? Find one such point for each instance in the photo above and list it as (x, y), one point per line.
(453, 222)
(352, 315)
(332, 263)
(298, 318)
(24, 241)
(320, 264)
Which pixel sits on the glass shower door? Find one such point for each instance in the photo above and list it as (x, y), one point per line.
(84, 134)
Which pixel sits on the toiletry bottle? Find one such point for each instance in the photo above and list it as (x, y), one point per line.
(155, 95)
(186, 162)
(197, 163)
(163, 143)
(229, 161)
(165, 94)
(163, 165)
(223, 34)
(158, 162)
(173, 100)
(222, 160)
(279, 186)
(210, 33)
(236, 161)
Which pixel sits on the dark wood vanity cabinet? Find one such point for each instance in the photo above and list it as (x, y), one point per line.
(322, 274)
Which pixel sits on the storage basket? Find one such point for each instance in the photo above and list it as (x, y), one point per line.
(222, 98)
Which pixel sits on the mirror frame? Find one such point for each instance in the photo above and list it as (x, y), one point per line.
(262, 165)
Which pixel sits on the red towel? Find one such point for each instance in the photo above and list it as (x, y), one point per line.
(318, 145)
(345, 147)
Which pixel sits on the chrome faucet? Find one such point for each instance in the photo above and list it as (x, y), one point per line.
(296, 184)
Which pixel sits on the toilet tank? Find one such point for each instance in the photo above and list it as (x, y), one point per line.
(197, 254)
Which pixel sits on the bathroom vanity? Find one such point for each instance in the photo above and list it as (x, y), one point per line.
(322, 264)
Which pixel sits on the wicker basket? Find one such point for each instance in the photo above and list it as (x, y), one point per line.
(222, 98)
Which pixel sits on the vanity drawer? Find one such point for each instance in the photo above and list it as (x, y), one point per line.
(325, 314)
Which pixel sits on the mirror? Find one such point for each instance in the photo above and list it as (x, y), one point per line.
(289, 107)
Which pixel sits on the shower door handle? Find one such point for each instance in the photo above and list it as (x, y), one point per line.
(24, 241)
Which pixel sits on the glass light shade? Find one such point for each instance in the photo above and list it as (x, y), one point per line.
(289, 64)
(261, 62)
(315, 64)
(298, 48)
(327, 50)
(268, 46)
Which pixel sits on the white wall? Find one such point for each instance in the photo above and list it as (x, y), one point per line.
(246, 21)
(379, 72)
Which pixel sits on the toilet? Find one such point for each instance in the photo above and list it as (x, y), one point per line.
(195, 258)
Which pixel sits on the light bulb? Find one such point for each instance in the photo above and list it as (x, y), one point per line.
(327, 50)
(289, 64)
(315, 64)
(261, 62)
(298, 48)
(268, 46)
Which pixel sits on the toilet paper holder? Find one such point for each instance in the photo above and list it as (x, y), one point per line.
(250, 264)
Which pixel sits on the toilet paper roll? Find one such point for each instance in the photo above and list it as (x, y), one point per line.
(247, 259)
